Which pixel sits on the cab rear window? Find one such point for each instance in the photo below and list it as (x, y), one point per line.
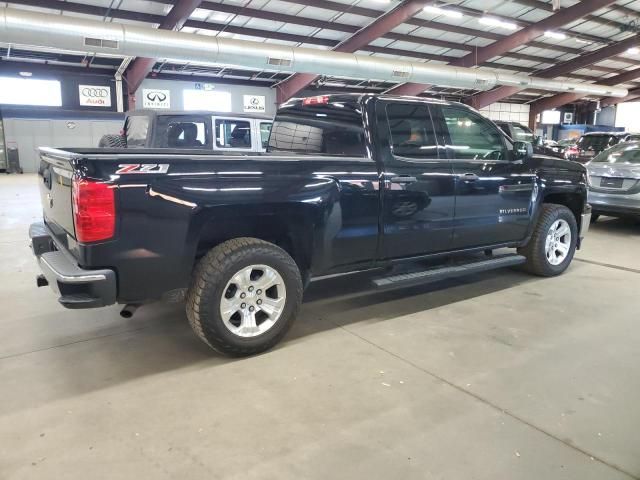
(597, 142)
(331, 128)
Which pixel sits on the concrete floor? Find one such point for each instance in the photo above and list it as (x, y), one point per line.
(497, 376)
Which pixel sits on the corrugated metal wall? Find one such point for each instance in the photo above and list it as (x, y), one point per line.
(27, 134)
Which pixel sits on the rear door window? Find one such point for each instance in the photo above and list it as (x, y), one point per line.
(411, 131)
(232, 134)
(265, 131)
(182, 131)
(136, 129)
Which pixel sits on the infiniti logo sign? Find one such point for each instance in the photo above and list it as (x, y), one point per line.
(156, 96)
(157, 99)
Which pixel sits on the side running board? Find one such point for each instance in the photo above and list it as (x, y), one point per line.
(448, 271)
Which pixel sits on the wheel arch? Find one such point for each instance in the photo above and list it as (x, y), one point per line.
(290, 228)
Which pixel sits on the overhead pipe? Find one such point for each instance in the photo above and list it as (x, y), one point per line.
(89, 36)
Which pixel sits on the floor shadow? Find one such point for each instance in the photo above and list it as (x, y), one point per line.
(160, 340)
(624, 225)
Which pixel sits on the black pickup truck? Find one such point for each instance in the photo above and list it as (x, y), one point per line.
(350, 183)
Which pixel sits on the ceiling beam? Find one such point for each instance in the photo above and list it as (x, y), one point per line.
(555, 101)
(486, 98)
(315, 23)
(605, 22)
(608, 101)
(175, 19)
(363, 37)
(341, 27)
(419, 22)
(515, 40)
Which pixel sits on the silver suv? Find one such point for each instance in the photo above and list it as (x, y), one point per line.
(615, 181)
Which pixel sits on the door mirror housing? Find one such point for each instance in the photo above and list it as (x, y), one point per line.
(522, 150)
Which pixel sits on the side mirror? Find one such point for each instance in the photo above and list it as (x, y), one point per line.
(522, 151)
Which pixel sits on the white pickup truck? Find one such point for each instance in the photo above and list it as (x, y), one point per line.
(202, 130)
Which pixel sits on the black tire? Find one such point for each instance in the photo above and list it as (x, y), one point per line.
(537, 262)
(595, 217)
(209, 280)
(112, 141)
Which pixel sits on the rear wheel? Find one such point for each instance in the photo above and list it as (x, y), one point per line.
(244, 296)
(553, 243)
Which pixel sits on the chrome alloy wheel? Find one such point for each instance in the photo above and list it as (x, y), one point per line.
(253, 300)
(558, 242)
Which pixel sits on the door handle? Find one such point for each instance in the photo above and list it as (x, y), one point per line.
(404, 179)
(469, 177)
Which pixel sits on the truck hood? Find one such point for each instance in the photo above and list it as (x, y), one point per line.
(544, 161)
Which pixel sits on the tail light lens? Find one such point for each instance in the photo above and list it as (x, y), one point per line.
(94, 210)
(571, 151)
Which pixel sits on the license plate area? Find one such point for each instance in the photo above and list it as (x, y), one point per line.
(609, 182)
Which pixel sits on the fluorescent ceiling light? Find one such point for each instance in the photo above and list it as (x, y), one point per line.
(496, 22)
(442, 11)
(579, 40)
(556, 35)
(634, 51)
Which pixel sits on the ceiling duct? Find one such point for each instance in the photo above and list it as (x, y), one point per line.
(80, 35)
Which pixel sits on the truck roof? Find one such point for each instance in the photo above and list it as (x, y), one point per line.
(151, 112)
(360, 97)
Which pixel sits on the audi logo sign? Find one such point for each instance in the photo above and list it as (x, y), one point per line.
(94, 96)
(158, 99)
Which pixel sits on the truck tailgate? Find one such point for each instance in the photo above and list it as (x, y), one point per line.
(55, 173)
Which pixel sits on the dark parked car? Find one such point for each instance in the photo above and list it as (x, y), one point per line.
(591, 144)
(522, 133)
(615, 181)
(350, 183)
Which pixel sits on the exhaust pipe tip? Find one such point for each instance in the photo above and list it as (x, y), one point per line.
(128, 310)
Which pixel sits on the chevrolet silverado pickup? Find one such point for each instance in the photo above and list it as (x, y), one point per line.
(413, 189)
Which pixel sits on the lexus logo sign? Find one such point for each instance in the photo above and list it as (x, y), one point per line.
(254, 103)
(159, 99)
(94, 96)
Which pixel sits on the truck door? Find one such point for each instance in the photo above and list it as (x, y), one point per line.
(493, 192)
(418, 188)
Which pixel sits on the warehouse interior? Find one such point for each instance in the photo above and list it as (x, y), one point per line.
(492, 374)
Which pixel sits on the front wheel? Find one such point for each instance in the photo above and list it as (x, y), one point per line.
(553, 243)
(244, 296)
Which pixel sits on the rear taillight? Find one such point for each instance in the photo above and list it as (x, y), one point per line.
(571, 151)
(94, 210)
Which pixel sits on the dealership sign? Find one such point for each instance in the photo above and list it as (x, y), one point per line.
(94, 96)
(152, 98)
(255, 103)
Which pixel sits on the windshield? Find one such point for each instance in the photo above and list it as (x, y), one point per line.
(522, 134)
(566, 142)
(623, 153)
(597, 142)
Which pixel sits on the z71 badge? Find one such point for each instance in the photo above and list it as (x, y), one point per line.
(142, 168)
